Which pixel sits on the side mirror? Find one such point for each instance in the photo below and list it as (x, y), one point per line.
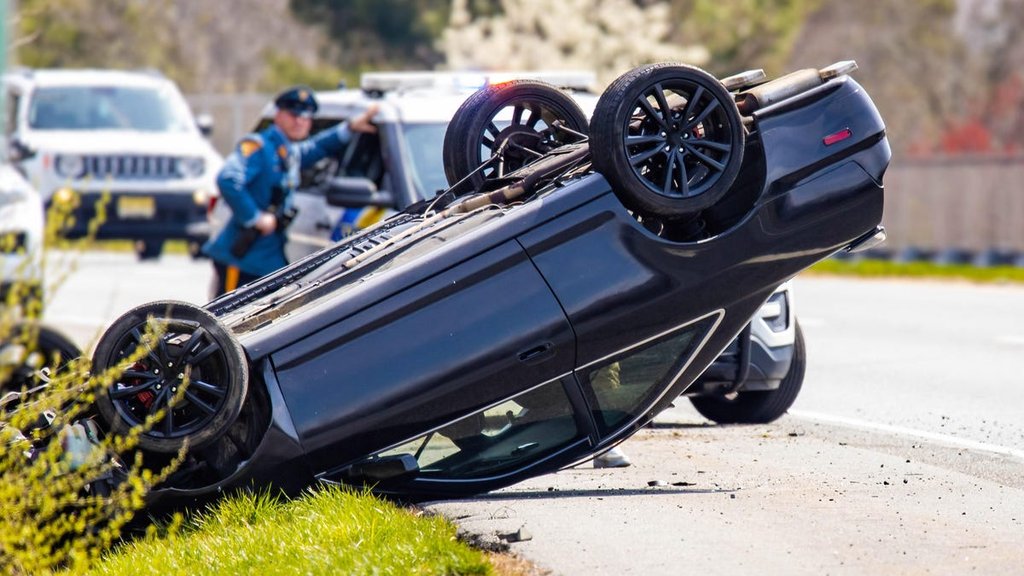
(18, 151)
(350, 192)
(204, 122)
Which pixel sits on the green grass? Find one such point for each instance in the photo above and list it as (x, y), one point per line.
(886, 269)
(327, 531)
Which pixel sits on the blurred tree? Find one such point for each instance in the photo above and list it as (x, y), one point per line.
(224, 46)
(81, 33)
(993, 31)
(931, 87)
(606, 36)
(742, 34)
(379, 34)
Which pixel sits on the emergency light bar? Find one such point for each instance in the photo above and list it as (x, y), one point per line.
(461, 81)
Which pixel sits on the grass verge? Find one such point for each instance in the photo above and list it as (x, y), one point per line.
(329, 530)
(887, 269)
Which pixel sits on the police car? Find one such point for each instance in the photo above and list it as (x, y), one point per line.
(755, 380)
(80, 136)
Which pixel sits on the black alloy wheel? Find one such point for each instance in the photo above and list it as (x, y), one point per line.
(196, 373)
(508, 126)
(669, 139)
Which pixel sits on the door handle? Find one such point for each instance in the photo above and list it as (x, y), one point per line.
(537, 353)
(324, 225)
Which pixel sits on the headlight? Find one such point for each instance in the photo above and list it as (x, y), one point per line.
(191, 167)
(201, 197)
(69, 166)
(65, 198)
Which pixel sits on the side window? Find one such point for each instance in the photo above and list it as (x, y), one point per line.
(326, 167)
(363, 159)
(498, 439)
(618, 387)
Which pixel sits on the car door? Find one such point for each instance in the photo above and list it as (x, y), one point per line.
(466, 340)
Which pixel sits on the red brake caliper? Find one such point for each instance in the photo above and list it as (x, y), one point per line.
(145, 397)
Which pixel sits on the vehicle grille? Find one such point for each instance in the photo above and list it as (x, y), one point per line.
(132, 167)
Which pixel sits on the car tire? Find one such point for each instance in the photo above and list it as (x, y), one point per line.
(758, 406)
(473, 138)
(670, 168)
(195, 343)
(50, 345)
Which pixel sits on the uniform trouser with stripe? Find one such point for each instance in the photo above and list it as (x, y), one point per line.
(230, 277)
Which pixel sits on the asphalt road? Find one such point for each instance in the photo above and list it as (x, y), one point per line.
(903, 455)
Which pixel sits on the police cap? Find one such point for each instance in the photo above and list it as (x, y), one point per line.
(298, 100)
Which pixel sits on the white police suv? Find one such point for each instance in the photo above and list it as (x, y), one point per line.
(127, 140)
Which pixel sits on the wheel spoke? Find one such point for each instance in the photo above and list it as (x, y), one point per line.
(534, 118)
(702, 143)
(659, 95)
(692, 104)
(203, 354)
(493, 129)
(208, 388)
(487, 142)
(666, 187)
(197, 401)
(646, 105)
(704, 158)
(644, 156)
(136, 333)
(684, 184)
(161, 346)
(120, 393)
(517, 115)
(647, 139)
(703, 114)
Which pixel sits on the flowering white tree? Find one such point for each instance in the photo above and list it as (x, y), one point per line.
(606, 36)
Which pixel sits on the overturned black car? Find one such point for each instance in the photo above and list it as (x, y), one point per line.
(569, 286)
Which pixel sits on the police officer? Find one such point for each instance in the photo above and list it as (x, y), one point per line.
(257, 182)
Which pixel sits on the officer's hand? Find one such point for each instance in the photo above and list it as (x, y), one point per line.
(266, 223)
(364, 122)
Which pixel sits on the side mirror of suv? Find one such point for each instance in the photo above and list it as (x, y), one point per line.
(18, 151)
(350, 192)
(205, 124)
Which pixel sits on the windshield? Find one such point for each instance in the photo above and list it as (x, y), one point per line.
(147, 109)
(425, 143)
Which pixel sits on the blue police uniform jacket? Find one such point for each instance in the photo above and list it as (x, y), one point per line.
(260, 162)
